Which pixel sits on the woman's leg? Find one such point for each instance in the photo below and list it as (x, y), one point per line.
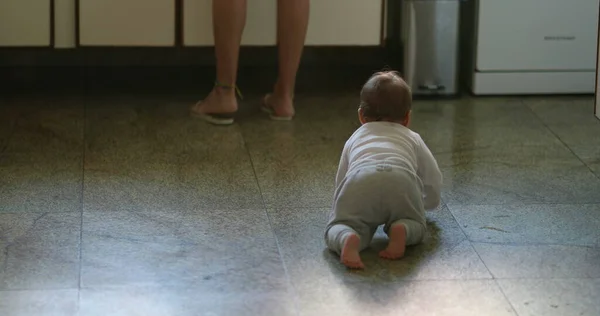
(229, 19)
(292, 23)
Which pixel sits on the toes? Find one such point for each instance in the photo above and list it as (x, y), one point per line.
(386, 254)
(354, 264)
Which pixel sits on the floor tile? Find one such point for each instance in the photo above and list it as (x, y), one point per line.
(47, 128)
(559, 297)
(469, 111)
(295, 162)
(39, 303)
(476, 297)
(130, 130)
(564, 110)
(173, 301)
(445, 254)
(540, 261)
(514, 175)
(51, 185)
(39, 251)
(225, 184)
(8, 119)
(583, 141)
(216, 250)
(568, 224)
(158, 158)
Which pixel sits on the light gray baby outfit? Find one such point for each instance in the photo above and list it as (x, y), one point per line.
(386, 176)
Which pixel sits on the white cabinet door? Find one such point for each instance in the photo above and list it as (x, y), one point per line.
(126, 22)
(261, 23)
(345, 22)
(25, 23)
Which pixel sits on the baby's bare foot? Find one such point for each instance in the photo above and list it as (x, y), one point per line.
(350, 256)
(397, 244)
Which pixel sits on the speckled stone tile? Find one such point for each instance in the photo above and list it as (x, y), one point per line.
(445, 254)
(8, 119)
(222, 183)
(140, 130)
(470, 111)
(47, 128)
(517, 174)
(215, 250)
(583, 141)
(188, 301)
(540, 261)
(51, 185)
(443, 298)
(568, 224)
(158, 158)
(568, 110)
(296, 161)
(39, 303)
(39, 251)
(558, 297)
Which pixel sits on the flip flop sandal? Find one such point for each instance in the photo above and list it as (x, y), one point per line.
(216, 118)
(265, 107)
(213, 118)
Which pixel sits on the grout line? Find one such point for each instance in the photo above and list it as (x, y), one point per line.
(560, 139)
(277, 243)
(512, 306)
(82, 198)
(484, 264)
(11, 133)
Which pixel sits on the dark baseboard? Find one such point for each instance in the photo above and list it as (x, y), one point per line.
(199, 56)
(169, 69)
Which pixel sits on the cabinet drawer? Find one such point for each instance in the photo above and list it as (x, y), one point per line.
(25, 23)
(345, 23)
(261, 20)
(126, 22)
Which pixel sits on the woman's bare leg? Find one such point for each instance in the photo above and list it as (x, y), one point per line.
(229, 19)
(292, 23)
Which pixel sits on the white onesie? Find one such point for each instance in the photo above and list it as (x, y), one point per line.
(386, 176)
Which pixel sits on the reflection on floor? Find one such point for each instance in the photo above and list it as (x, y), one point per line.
(122, 205)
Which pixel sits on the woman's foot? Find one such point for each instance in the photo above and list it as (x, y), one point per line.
(350, 256)
(219, 107)
(397, 243)
(279, 108)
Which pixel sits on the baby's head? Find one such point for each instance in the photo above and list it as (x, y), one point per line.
(385, 97)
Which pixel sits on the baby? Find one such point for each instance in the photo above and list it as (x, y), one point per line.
(386, 176)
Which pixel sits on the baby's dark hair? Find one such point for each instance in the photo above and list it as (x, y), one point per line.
(385, 96)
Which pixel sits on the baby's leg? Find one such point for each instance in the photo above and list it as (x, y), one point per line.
(402, 233)
(348, 244)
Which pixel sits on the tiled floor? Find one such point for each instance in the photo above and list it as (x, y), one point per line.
(122, 205)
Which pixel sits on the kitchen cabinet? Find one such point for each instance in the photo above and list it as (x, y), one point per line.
(345, 23)
(332, 22)
(25, 23)
(261, 23)
(128, 23)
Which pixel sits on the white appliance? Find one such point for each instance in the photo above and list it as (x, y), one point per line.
(597, 97)
(533, 47)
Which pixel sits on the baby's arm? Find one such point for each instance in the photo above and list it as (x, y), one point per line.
(430, 174)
